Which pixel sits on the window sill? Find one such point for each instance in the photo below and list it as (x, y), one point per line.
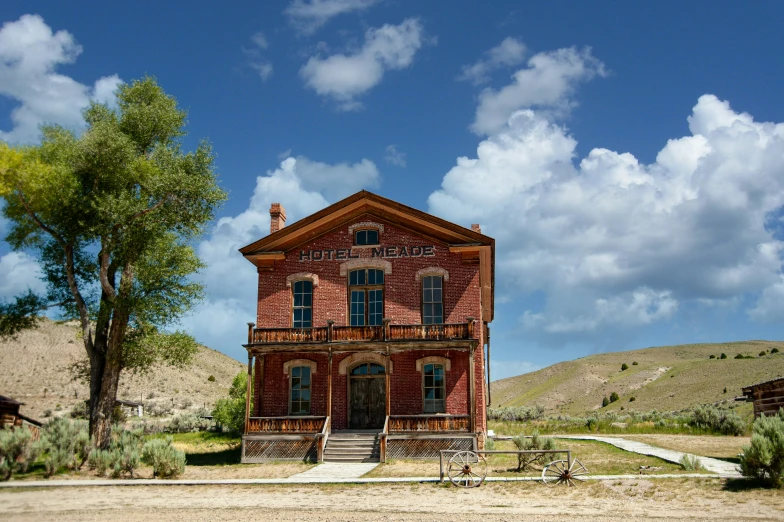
(362, 247)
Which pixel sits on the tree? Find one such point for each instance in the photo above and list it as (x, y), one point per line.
(229, 412)
(111, 214)
(614, 397)
(605, 401)
(624, 367)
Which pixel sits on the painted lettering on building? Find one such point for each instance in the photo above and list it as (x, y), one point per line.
(390, 252)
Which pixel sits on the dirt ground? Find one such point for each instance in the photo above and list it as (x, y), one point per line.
(621, 500)
(721, 447)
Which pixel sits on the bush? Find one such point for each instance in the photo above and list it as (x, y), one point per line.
(614, 397)
(690, 463)
(774, 350)
(211, 378)
(624, 367)
(490, 444)
(229, 413)
(591, 423)
(17, 451)
(605, 401)
(518, 414)
(723, 356)
(47, 414)
(763, 353)
(632, 399)
(188, 422)
(740, 356)
(634, 363)
(68, 443)
(166, 461)
(725, 389)
(534, 442)
(764, 457)
(712, 357)
(717, 420)
(80, 410)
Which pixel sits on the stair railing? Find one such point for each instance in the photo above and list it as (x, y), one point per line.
(383, 441)
(322, 439)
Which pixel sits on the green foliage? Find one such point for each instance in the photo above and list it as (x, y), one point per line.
(632, 399)
(166, 461)
(68, 444)
(634, 363)
(774, 350)
(725, 390)
(764, 457)
(122, 457)
(22, 314)
(763, 353)
(712, 356)
(605, 401)
(717, 420)
(229, 413)
(534, 442)
(519, 413)
(723, 356)
(624, 367)
(17, 451)
(211, 378)
(739, 356)
(187, 422)
(490, 444)
(690, 463)
(614, 397)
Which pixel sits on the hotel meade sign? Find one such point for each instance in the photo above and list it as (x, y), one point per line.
(390, 252)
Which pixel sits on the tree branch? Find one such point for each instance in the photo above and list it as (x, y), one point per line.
(37, 220)
(106, 285)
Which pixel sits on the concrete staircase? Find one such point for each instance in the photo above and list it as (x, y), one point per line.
(353, 446)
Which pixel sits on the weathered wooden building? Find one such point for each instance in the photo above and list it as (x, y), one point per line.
(370, 336)
(10, 416)
(768, 396)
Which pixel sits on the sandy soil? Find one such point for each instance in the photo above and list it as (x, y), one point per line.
(605, 501)
(705, 445)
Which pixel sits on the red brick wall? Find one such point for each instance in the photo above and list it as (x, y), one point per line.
(402, 306)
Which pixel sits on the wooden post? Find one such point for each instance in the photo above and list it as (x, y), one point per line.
(487, 366)
(386, 322)
(329, 380)
(386, 384)
(330, 324)
(248, 392)
(250, 332)
(472, 389)
(260, 377)
(470, 321)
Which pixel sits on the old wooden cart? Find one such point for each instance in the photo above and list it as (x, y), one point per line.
(468, 469)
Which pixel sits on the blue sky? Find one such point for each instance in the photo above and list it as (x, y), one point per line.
(628, 158)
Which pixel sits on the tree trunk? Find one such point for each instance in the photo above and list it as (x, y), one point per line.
(109, 380)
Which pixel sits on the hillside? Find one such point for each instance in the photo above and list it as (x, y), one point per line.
(34, 370)
(665, 378)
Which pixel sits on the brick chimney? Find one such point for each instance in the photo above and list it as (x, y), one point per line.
(277, 217)
(476, 228)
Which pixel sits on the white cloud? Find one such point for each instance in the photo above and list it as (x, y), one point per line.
(344, 77)
(394, 156)
(303, 187)
(29, 54)
(256, 60)
(614, 243)
(307, 17)
(501, 369)
(506, 54)
(18, 273)
(548, 83)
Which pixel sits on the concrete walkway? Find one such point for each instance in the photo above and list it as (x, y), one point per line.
(335, 470)
(721, 467)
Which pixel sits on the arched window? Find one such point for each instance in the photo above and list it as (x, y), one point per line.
(433, 388)
(302, 310)
(432, 299)
(299, 390)
(368, 369)
(366, 296)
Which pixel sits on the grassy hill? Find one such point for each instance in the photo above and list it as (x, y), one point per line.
(33, 370)
(666, 378)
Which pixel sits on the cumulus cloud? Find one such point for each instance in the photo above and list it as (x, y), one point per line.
(614, 243)
(18, 273)
(506, 54)
(344, 77)
(256, 59)
(547, 84)
(303, 187)
(394, 156)
(30, 52)
(307, 17)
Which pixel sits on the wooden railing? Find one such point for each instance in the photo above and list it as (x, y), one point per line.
(383, 441)
(341, 334)
(322, 439)
(307, 424)
(411, 423)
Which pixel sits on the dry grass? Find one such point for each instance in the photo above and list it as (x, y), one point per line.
(720, 447)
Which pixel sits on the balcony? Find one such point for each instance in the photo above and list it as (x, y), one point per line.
(343, 334)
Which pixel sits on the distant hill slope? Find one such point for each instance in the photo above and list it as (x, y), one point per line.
(33, 370)
(666, 378)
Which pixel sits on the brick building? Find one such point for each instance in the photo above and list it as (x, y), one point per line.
(371, 334)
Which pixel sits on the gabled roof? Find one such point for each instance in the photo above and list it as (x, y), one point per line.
(9, 400)
(459, 238)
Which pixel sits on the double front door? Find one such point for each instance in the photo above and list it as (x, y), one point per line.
(367, 402)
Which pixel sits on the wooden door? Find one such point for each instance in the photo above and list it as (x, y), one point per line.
(367, 403)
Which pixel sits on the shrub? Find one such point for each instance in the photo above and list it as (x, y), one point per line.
(739, 356)
(725, 389)
(774, 350)
(624, 367)
(490, 444)
(534, 442)
(712, 357)
(187, 422)
(605, 401)
(717, 420)
(614, 397)
(690, 463)
(68, 442)
(17, 451)
(80, 410)
(763, 353)
(186, 403)
(634, 363)
(211, 378)
(47, 414)
(229, 413)
(632, 399)
(764, 457)
(723, 356)
(166, 461)
(518, 414)
(591, 423)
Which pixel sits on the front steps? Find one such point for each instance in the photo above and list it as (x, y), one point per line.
(353, 446)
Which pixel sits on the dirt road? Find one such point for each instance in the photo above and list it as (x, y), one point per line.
(637, 500)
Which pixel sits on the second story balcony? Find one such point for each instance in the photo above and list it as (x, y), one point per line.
(343, 334)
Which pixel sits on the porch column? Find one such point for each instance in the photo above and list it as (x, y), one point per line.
(472, 389)
(386, 383)
(248, 392)
(260, 379)
(329, 383)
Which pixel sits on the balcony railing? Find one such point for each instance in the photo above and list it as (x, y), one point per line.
(293, 425)
(341, 334)
(415, 423)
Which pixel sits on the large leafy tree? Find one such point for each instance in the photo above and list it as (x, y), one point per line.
(111, 214)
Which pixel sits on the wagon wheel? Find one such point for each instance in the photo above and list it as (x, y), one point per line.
(559, 472)
(467, 469)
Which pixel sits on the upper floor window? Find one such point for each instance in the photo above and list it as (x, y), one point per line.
(368, 369)
(366, 297)
(299, 390)
(302, 311)
(368, 236)
(433, 388)
(432, 300)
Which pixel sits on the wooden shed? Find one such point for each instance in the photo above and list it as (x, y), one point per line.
(768, 396)
(11, 418)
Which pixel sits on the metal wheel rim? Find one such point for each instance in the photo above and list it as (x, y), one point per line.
(467, 469)
(560, 472)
